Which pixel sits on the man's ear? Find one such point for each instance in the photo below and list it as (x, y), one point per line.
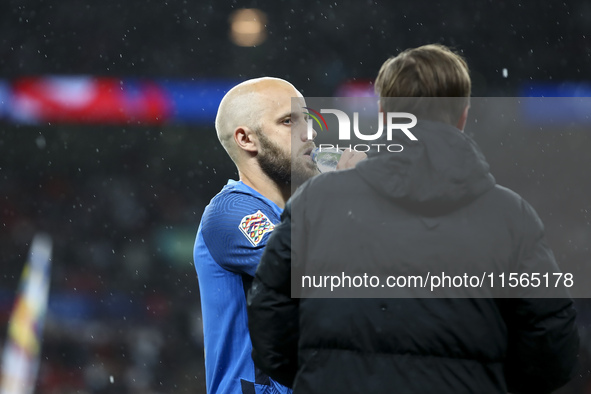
(246, 139)
(463, 118)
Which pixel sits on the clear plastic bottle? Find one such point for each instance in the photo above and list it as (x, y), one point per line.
(326, 159)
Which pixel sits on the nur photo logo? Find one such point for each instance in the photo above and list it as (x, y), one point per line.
(392, 120)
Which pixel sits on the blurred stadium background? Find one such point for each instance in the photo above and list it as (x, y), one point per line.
(107, 143)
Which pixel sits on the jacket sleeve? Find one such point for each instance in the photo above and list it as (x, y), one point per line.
(543, 340)
(272, 313)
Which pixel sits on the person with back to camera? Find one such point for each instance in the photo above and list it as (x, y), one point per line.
(433, 205)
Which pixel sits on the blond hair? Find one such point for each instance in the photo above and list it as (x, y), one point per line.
(428, 71)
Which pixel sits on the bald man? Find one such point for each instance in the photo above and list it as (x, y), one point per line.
(267, 140)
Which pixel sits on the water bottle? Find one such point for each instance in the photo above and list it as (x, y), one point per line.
(326, 159)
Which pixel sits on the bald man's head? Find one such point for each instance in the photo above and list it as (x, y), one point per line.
(243, 107)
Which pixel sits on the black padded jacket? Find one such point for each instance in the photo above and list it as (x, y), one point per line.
(432, 207)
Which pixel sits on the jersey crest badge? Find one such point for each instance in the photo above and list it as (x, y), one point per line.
(255, 226)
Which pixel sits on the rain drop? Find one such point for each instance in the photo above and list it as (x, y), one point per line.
(40, 141)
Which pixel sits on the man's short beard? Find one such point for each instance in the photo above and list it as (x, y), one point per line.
(277, 165)
(273, 161)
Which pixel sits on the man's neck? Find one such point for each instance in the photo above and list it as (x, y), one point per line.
(260, 182)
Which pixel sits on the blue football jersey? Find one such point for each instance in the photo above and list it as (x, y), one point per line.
(230, 240)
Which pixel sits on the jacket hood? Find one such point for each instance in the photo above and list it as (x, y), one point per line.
(440, 172)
